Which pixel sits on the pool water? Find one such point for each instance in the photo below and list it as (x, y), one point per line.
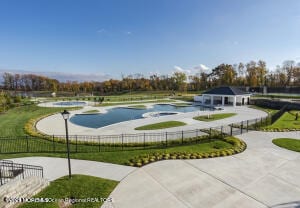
(119, 114)
(70, 103)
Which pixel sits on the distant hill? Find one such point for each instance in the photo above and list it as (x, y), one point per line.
(60, 76)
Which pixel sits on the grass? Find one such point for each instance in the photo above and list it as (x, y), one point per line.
(214, 117)
(287, 96)
(288, 143)
(13, 121)
(182, 104)
(134, 102)
(137, 106)
(186, 98)
(79, 187)
(285, 122)
(161, 125)
(122, 157)
(270, 111)
(91, 111)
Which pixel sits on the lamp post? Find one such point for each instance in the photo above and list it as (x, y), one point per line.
(65, 114)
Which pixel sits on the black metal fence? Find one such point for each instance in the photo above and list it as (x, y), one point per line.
(121, 142)
(10, 170)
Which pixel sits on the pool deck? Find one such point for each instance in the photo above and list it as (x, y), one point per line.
(55, 124)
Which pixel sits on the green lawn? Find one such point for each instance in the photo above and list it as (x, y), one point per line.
(13, 121)
(134, 102)
(137, 106)
(267, 110)
(161, 125)
(122, 157)
(91, 111)
(79, 187)
(286, 96)
(186, 98)
(288, 143)
(213, 117)
(286, 121)
(182, 104)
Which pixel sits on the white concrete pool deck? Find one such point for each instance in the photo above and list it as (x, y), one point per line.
(264, 175)
(55, 124)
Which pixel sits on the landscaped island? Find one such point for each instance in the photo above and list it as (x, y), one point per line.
(161, 125)
(213, 117)
(288, 143)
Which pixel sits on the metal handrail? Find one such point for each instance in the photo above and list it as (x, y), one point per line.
(10, 170)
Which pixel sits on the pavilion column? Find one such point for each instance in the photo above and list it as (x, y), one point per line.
(234, 101)
(211, 100)
(223, 100)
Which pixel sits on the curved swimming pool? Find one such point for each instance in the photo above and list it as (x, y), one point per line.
(70, 103)
(119, 114)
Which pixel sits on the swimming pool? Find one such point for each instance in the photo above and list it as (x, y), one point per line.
(119, 114)
(70, 103)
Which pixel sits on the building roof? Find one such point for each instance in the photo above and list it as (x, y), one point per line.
(226, 91)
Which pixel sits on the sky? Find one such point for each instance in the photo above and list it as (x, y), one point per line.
(121, 37)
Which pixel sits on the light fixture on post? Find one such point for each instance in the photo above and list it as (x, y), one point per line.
(65, 114)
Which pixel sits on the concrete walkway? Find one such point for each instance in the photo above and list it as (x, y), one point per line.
(57, 167)
(262, 176)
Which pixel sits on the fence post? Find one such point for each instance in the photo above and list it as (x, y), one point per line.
(122, 136)
(27, 143)
(23, 171)
(197, 132)
(53, 144)
(144, 140)
(209, 133)
(99, 145)
(247, 125)
(242, 127)
(182, 136)
(1, 183)
(166, 138)
(222, 131)
(231, 129)
(256, 124)
(76, 143)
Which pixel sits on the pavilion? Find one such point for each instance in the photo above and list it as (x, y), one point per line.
(224, 96)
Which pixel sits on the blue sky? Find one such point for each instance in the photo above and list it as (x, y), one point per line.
(137, 36)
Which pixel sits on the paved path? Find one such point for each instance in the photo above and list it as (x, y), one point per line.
(262, 176)
(57, 167)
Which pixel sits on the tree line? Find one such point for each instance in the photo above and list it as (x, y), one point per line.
(252, 74)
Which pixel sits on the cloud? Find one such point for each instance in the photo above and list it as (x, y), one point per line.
(128, 33)
(194, 70)
(201, 68)
(179, 69)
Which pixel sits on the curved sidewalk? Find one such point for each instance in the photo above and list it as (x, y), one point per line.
(264, 175)
(57, 167)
